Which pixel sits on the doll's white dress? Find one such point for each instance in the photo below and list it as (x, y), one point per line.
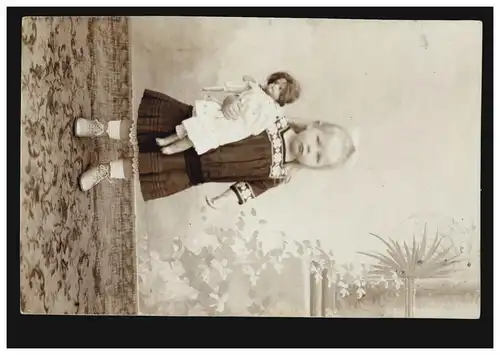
(209, 129)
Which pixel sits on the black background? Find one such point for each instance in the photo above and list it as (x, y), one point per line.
(197, 332)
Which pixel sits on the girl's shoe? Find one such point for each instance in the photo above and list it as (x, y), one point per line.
(94, 175)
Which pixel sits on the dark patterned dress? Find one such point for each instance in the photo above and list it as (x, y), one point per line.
(254, 164)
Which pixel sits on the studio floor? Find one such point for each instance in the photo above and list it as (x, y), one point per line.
(77, 249)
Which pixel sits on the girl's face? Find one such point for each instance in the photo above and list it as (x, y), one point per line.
(317, 148)
(276, 88)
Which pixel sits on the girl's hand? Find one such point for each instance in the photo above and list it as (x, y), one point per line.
(231, 107)
(226, 199)
(211, 203)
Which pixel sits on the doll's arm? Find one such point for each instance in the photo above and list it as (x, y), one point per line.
(249, 78)
(230, 87)
(239, 87)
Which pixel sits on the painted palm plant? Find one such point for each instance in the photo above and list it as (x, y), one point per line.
(420, 260)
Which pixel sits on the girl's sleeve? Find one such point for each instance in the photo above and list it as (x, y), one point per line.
(246, 191)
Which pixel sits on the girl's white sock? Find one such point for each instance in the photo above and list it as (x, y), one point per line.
(117, 169)
(113, 130)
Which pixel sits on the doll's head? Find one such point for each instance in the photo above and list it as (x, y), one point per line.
(283, 88)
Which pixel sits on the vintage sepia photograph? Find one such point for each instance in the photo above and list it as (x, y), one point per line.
(250, 166)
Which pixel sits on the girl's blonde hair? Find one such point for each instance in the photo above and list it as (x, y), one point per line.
(349, 145)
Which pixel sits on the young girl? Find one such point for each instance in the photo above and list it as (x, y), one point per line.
(211, 127)
(254, 164)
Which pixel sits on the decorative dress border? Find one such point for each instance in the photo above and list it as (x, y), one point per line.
(243, 191)
(277, 170)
